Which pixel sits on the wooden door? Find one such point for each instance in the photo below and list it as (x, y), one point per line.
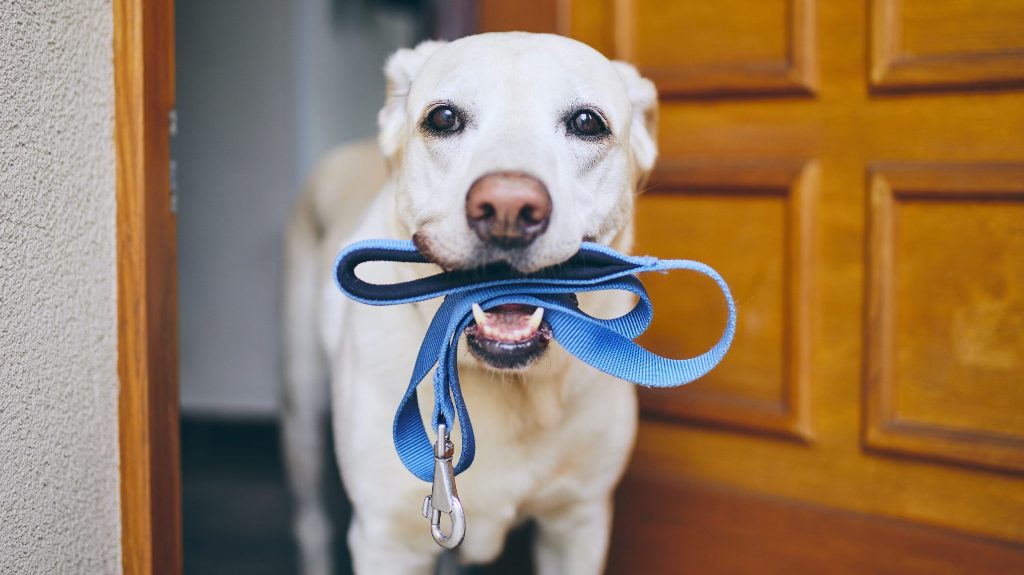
(147, 294)
(855, 170)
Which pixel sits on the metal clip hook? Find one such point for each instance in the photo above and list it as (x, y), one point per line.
(444, 498)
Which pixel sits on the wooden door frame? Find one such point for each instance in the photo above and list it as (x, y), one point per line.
(146, 288)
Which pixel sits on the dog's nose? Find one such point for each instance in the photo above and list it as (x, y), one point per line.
(508, 209)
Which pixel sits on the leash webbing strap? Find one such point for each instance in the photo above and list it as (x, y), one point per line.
(606, 344)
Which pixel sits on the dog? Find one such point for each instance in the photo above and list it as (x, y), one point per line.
(500, 147)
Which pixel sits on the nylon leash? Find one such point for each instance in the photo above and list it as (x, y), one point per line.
(605, 344)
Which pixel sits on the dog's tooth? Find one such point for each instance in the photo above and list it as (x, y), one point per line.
(538, 315)
(480, 316)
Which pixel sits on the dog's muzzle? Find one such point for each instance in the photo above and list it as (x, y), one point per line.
(508, 210)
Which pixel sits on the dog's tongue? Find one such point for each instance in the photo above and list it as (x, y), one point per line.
(508, 322)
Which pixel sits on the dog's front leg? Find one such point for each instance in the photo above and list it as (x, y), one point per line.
(574, 539)
(380, 548)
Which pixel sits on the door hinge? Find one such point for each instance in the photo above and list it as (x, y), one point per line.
(172, 131)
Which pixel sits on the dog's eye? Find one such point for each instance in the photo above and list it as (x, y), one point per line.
(587, 123)
(444, 120)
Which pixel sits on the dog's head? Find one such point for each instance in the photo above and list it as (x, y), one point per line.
(514, 148)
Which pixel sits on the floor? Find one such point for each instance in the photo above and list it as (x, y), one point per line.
(235, 507)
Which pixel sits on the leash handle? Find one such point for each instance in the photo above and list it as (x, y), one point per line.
(606, 344)
(592, 263)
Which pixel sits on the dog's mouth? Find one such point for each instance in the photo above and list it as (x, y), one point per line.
(509, 336)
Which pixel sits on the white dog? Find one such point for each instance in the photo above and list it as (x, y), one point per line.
(506, 147)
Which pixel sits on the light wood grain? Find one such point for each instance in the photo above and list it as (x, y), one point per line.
(962, 44)
(147, 288)
(849, 130)
(713, 48)
(764, 383)
(680, 527)
(945, 313)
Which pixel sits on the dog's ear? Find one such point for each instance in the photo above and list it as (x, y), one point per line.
(644, 126)
(400, 70)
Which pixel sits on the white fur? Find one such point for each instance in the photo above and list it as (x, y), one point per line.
(553, 439)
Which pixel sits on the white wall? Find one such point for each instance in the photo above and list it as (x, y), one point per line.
(264, 88)
(59, 490)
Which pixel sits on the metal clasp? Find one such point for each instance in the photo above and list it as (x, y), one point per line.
(444, 498)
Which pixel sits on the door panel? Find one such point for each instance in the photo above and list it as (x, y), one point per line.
(927, 44)
(939, 28)
(679, 45)
(762, 383)
(856, 172)
(944, 365)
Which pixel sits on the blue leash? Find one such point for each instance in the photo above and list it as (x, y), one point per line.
(606, 344)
